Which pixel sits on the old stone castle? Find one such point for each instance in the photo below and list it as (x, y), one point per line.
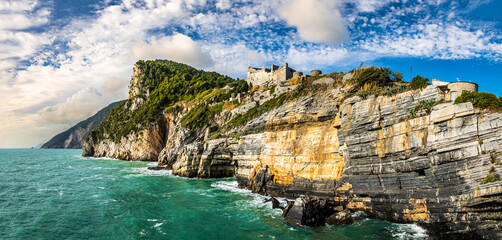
(274, 75)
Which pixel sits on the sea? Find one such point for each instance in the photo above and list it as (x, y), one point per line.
(58, 194)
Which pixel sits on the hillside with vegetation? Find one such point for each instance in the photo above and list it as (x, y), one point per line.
(74, 136)
(164, 84)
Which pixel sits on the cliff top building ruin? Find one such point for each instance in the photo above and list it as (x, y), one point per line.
(454, 89)
(274, 75)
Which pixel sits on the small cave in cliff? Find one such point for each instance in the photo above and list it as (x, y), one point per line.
(421, 172)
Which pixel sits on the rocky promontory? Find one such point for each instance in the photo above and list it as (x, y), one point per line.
(74, 137)
(361, 141)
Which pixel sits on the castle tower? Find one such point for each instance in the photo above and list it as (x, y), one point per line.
(457, 88)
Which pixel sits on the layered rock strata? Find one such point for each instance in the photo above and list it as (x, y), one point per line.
(363, 154)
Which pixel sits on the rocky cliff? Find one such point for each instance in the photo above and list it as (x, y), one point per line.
(74, 137)
(395, 157)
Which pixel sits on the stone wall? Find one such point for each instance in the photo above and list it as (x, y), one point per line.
(457, 88)
(273, 76)
(258, 77)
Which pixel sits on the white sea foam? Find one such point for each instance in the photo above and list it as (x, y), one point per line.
(97, 176)
(407, 231)
(231, 186)
(138, 172)
(152, 220)
(257, 202)
(158, 225)
(98, 158)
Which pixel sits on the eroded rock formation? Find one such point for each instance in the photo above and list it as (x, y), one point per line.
(362, 154)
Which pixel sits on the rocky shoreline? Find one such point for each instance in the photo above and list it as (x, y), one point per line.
(357, 154)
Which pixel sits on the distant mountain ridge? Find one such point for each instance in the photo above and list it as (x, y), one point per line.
(73, 137)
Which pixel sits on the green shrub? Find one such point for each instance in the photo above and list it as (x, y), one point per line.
(419, 82)
(200, 116)
(373, 75)
(481, 100)
(397, 76)
(423, 105)
(254, 112)
(491, 177)
(239, 86)
(272, 89)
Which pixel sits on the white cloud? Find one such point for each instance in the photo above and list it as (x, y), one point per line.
(436, 41)
(255, 56)
(317, 21)
(15, 44)
(223, 4)
(371, 5)
(17, 5)
(78, 107)
(306, 59)
(179, 48)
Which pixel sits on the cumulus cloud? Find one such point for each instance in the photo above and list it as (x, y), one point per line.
(179, 48)
(440, 41)
(373, 5)
(224, 4)
(317, 21)
(255, 56)
(313, 58)
(116, 86)
(15, 44)
(76, 108)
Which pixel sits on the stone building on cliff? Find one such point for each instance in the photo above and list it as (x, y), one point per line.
(454, 89)
(271, 76)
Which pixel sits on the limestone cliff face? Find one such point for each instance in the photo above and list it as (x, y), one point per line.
(143, 146)
(367, 155)
(363, 154)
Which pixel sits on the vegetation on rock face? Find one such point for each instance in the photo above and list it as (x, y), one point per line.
(201, 115)
(481, 100)
(491, 177)
(167, 82)
(419, 82)
(241, 119)
(371, 75)
(425, 105)
(375, 81)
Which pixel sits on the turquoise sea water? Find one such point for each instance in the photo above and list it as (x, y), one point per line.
(57, 194)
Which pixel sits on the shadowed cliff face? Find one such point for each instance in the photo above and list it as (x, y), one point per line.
(366, 155)
(74, 137)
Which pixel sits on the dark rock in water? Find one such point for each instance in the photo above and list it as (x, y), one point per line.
(157, 168)
(308, 212)
(275, 203)
(340, 218)
(286, 209)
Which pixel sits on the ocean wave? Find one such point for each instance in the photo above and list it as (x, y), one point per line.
(231, 186)
(409, 231)
(257, 201)
(143, 171)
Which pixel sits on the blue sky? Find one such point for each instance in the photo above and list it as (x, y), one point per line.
(63, 60)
